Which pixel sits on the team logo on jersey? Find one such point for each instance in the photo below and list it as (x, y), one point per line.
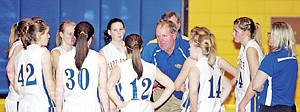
(178, 65)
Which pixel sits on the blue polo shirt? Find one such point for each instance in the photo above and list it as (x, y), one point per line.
(279, 88)
(152, 46)
(169, 65)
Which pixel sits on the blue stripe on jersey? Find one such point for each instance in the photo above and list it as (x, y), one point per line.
(17, 106)
(186, 104)
(98, 95)
(51, 108)
(119, 89)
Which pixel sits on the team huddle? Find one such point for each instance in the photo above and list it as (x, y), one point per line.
(172, 73)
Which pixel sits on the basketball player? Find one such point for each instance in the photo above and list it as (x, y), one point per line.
(136, 78)
(35, 69)
(81, 74)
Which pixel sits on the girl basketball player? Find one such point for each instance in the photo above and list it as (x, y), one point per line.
(246, 32)
(136, 78)
(205, 77)
(276, 78)
(114, 50)
(15, 46)
(35, 69)
(81, 74)
(64, 41)
(181, 82)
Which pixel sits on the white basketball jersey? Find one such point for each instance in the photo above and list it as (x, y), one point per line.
(33, 88)
(80, 86)
(210, 87)
(217, 87)
(130, 87)
(12, 99)
(244, 77)
(61, 50)
(113, 56)
(12, 93)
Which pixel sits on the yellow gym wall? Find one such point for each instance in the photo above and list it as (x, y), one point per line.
(218, 16)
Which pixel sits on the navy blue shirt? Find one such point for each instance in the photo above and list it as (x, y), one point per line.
(282, 70)
(169, 65)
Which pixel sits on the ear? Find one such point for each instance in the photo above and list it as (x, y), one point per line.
(109, 32)
(61, 34)
(90, 41)
(141, 49)
(178, 26)
(173, 36)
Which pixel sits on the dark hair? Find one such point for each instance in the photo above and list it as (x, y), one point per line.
(107, 37)
(29, 32)
(168, 15)
(15, 32)
(83, 32)
(133, 43)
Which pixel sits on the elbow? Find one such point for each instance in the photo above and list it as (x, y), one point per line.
(256, 88)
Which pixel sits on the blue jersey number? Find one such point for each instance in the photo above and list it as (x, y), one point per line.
(71, 83)
(29, 70)
(145, 83)
(240, 81)
(218, 92)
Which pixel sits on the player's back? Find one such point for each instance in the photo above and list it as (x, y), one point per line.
(135, 90)
(209, 91)
(80, 85)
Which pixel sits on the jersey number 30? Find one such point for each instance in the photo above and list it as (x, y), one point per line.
(71, 83)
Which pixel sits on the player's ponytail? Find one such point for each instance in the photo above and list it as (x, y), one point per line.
(83, 32)
(134, 43)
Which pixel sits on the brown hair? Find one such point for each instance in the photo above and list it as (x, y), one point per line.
(83, 32)
(29, 33)
(15, 32)
(133, 43)
(168, 15)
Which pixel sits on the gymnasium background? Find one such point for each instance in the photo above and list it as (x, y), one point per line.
(140, 16)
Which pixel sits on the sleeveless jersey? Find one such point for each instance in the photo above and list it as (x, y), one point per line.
(217, 83)
(80, 86)
(244, 77)
(12, 99)
(34, 95)
(61, 50)
(131, 88)
(113, 56)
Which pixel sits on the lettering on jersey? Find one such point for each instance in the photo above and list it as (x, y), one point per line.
(113, 63)
(241, 66)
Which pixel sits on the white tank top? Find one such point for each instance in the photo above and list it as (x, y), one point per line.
(244, 77)
(12, 93)
(33, 85)
(80, 85)
(61, 50)
(113, 56)
(130, 87)
(209, 92)
(185, 105)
